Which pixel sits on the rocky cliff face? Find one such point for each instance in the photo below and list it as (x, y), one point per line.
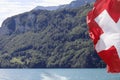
(22, 23)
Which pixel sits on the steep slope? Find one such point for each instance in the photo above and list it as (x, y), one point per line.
(48, 39)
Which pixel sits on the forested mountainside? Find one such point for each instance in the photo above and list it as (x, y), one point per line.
(48, 39)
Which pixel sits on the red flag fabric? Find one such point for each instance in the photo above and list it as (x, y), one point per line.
(104, 29)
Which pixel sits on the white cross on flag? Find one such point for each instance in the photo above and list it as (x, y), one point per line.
(104, 29)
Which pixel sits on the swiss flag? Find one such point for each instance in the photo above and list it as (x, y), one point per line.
(104, 29)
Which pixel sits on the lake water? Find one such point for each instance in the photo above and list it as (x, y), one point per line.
(57, 74)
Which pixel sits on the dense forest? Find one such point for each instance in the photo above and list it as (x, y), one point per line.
(48, 39)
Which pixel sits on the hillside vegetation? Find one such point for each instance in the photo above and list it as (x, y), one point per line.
(52, 39)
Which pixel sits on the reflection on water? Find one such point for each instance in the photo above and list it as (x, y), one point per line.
(48, 76)
(57, 74)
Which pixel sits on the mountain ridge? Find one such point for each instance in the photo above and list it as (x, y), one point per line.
(73, 4)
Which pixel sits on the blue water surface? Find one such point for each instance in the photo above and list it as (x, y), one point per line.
(57, 74)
